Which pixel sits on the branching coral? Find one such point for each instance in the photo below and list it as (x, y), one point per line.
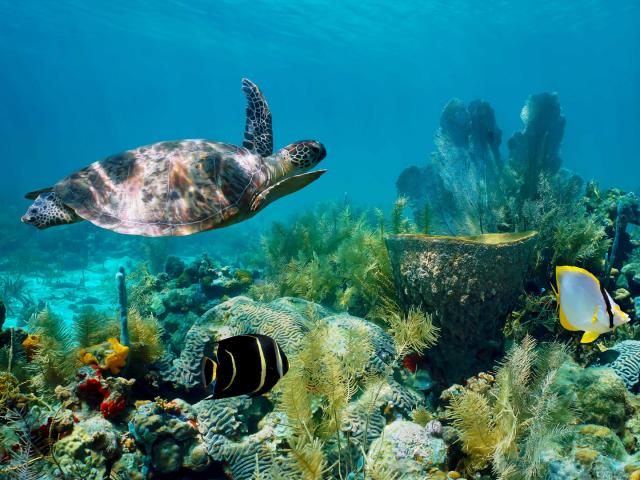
(508, 426)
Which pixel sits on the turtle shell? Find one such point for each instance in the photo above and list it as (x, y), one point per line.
(166, 189)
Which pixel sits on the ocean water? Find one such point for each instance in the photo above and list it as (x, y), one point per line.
(80, 81)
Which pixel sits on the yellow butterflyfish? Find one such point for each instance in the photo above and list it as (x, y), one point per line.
(585, 305)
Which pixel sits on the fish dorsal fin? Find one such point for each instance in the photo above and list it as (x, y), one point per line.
(589, 337)
(258, 132)
(284, 187)
(33, 195)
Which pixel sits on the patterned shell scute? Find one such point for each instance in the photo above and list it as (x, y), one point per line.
(168, 188)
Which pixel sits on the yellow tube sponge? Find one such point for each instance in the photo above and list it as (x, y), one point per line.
(117, 359)
(31, 341)
(110, 355)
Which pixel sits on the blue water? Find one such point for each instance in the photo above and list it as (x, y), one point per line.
(82, 80)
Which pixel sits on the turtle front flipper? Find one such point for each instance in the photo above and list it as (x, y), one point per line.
(33, 195)
(258, 134)
(284, 187)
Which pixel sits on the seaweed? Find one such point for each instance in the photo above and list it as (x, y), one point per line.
(25, 457)
(315, 395)
(141, 293)
(308, 458)
(14, 293)
(413, 332)
(568, 234)
(329, 255)
(54, 356)
(90, 327)
(508, 426)
(399, 222)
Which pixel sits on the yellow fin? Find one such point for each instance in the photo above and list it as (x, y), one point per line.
(565, 323)
(589, 337)
(566, 268)
(594, 319)
(601, 347)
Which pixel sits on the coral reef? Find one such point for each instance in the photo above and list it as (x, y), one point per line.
(85, 452)
(470, 283)
(337, 393)
(377, 315)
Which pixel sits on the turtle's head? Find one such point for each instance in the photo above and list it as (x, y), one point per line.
(48, 211)
(300, 156)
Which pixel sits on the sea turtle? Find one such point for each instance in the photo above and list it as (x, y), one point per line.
(182, 187)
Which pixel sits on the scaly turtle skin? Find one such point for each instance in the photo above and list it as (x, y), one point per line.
(182, 187)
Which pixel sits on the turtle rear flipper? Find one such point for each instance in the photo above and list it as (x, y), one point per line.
(284, 187)
(33, 195)
(258, 133)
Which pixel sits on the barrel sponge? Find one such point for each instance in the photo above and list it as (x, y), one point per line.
(470, 283)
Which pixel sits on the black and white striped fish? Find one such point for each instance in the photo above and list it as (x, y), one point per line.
(242, 365)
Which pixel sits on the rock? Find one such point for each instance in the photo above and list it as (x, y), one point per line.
(407, 449)
(471, 282)
(588, 452)
(168, 432)
(84, 453)
(621, 295)
(129, 466)
(597, 393)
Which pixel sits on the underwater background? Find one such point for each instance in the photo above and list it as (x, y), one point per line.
(472, 148)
